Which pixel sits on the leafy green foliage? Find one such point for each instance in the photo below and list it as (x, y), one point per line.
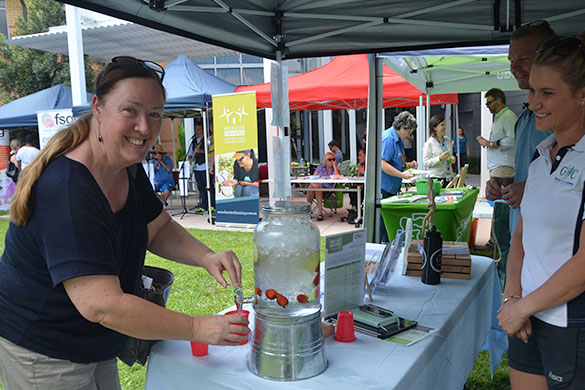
(181, 151)
(352, 170)
(24, 71)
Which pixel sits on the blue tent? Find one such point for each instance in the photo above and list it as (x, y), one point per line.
(23, 112)
(188, 87)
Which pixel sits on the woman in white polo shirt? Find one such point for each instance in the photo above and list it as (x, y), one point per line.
(544, 298)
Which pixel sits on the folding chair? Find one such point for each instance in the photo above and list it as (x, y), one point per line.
(333, 200)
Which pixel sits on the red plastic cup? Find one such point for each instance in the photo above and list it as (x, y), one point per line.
(199, 349)
(243, 313)
(344, 331)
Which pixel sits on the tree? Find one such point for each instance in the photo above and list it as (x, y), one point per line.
(24, 71)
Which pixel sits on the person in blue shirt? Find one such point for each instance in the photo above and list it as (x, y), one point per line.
(163, 173)
(394, 158)
(336, 150)
(461, 149)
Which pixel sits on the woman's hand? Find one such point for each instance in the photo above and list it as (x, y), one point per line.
(220, 329)
(216, 263)
(511, 319)
(413, 164)
(443, 156)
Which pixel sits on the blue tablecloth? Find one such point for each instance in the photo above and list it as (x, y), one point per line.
(462, 310)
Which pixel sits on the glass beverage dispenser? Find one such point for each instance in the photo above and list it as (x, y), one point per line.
(288, 343)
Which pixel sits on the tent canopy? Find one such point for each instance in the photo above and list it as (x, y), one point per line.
(469, 69)
(343, 84)
(23, 112)
(301, 28)
(105, 39)
(188, 87)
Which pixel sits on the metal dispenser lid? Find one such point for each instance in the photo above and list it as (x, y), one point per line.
(286, 207)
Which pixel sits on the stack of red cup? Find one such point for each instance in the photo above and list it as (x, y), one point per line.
(345, 329)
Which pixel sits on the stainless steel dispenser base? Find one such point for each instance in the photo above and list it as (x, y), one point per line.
(287, 348)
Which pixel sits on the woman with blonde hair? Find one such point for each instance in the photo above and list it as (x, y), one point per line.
(543, 310)
(327, 168)
(83, 215)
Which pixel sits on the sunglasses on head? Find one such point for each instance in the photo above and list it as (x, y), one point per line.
(562, 46)
(538, 25)
(127, 61)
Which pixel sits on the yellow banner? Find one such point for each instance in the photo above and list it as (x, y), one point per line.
(234, 122)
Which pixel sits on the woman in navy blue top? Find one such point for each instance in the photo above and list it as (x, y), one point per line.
(82, 218)
(460, 148)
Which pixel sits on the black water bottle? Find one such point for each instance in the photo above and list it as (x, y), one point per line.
(433, 254)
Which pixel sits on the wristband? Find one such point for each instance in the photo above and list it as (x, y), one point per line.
(511, 297)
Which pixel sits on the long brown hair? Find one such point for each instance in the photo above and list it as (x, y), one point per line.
(68, 139)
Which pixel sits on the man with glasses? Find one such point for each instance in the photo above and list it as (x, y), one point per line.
(500, 146)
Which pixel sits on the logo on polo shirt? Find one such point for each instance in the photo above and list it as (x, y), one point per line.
(556, 378)
(567, 176)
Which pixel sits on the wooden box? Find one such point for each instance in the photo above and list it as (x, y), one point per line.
(452, 266)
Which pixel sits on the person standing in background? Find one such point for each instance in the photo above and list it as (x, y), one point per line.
(523, 44)
(196, 156)
(15, 144)
(394, 161)
(500, 146)
(26, 153)
(437, 153)
(460, 148)
(409, 147)
(336, 150)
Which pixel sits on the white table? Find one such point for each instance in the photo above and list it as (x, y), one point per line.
(345, 180)
(462, 310)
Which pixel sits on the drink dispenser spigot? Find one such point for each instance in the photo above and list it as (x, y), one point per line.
(240, 299)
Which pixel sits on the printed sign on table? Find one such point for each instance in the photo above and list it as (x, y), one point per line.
(236, 158)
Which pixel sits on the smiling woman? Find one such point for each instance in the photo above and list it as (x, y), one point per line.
(83, 216)
(544, 305)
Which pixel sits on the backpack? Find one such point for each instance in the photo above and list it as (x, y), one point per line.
(12, 171)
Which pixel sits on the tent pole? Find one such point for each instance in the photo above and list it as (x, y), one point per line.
(456, 137)
(420, 138)
(372, 195)
(428, 116)
(205, 146)
(174, 146)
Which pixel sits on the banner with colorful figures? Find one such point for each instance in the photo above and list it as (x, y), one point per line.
(50, 122)
(236, 158)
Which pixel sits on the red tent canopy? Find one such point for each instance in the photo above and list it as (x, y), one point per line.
(343, 84)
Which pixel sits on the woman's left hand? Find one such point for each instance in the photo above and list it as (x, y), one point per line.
(216, 263)
(510, 317)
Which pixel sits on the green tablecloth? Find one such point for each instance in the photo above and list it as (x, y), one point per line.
(452, 219)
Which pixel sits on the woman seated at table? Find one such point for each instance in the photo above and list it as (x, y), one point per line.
(543, 308)
(361, 170)
(437, 152)
(327, 168)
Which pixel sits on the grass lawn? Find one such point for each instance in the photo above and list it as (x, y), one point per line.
(195, 292)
